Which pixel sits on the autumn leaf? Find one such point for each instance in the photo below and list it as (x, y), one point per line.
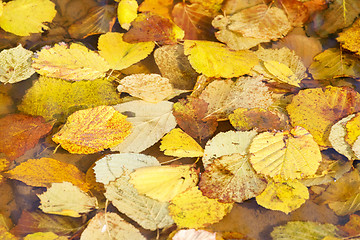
(285, 196)
(67, 200)
(189, 115)
(349, 37)
(160, 7)
(120, 54)
(127, 12)
(22, 17)
(93, 130)
(44, 171)
(191, 209)
(150, 121)
(290, 154)
(296, 11)
(179, 144)
(15, 65)
(44, 235)
(115, 228)
(149, 87)
(54, 98)
(216, 60)
(261, 119)
(318, 109)
(189, 234)
(231, 178)
(352, 226)
(152, 27)
(282, 73)
(73, 62)
(20, 132)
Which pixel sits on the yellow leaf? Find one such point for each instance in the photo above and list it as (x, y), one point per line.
(282, 73)
(163, 183)
(317, 109)
(74, 62)
(120, 54)
(285, 196)
(93, 130)
(22, 17)
(160, 7)
(191, 209)
(67, 200)
(179, 144)
(353, 129)
(44, 171)
(349, 38)
(15, 65)
(216, 60)
(127, 12)
(149, 87)
(1, 7)
(289, 154)
(44, 236)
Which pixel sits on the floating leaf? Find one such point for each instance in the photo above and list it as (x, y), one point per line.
(93, 130)
(179, 144)
(227, 143)
(231, 178)
(356, 148)
(296, 11)
(15, 64)
(22, 17)
(74, 62)
(282, 73)
(43, 236)
(109, 225)
(67, 200)
(318, 109)
(333, 63)
(127, 12)
(56, 98)
(120, 54)
(349, 37)
(151, 27)
(150, 123)
(285, 196)
(191, 209)
(160, 7)
(289, 154)
(352, 227)
(216, 60)
(191, 234)
(352, 129)
(149, 87)
(44, 171)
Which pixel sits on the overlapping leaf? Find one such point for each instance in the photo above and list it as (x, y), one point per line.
(160, 7)
(127, 12)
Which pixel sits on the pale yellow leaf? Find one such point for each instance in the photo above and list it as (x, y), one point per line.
(44, 236)
(282, 73)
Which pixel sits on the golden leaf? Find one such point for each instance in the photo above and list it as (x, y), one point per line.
(127, 12)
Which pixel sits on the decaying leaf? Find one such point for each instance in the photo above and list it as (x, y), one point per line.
(216, 60)
(150, 121)
(15, 64)
(127, 12)
(74, 62)
(108, 226)
(191, 209)
(318, 109)
(149, 87)
(352, 226)
(44, 171)
(93, 130)
(20, 132)
(296, 11)
(290, 154)
(179, 144)
(163, 183)
(349, 37)
(285, 196)
(54, 98)
(22, 17)
(120, 54)
(67, 200)
(231, 178)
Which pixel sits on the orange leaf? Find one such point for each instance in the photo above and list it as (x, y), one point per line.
(160, 7)
(296, 11)
(45, 171)
(93, 130)
(20, 132)
(151, 27)
(352, 227)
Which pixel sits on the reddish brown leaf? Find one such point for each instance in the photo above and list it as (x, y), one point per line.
(296, 11)
(151, 27)
(20, 132)
(194, 19)
(352, 227)
(189, 115)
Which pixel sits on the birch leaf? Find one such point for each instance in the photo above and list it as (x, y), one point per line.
(127, 12)
(282, 73)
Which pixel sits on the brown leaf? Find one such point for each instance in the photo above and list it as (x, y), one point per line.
(189, 115)
(352, 227)
(20, 132)
(296, 11)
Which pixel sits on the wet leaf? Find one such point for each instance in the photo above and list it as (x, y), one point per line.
(22, 17)
(43, 236)
(120, 54)
(93, 130)
(127, 12)
(20, 132)
(191, 209)
(160, 7)
(296, 11)
(191, 234)
(15, 65)
(44, 171)
(282, 73)
(352, 227)
(352, 128)
(73, 62)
